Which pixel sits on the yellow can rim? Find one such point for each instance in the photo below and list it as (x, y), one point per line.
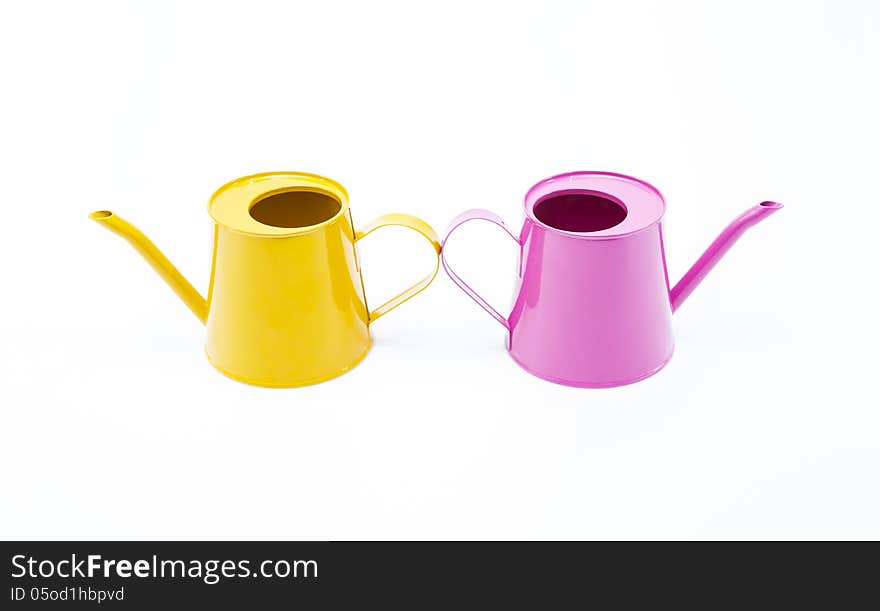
(230, 205)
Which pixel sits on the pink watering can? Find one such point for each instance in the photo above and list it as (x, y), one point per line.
(592, 306)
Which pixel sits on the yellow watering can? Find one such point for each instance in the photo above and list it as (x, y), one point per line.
(286, 303)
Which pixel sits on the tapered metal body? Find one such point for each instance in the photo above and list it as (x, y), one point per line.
(286, 303)
(592, 304)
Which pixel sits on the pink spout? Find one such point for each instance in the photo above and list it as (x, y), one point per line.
(717, 249)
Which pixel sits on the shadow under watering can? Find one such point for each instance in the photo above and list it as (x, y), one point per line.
(592, 304)
(286, 304)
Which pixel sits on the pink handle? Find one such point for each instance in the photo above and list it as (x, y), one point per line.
(461, 219)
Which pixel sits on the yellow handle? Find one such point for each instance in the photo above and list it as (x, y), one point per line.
(418, 225)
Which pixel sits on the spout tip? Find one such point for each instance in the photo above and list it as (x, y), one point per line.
(100, 215)
(771, 205)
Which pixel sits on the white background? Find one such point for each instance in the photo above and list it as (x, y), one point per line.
(764, 425)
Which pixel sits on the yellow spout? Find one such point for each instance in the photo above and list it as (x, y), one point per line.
(191, 297)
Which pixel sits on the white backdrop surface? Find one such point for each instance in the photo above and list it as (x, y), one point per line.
(764, 425)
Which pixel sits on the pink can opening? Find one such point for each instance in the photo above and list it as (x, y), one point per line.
(580, 211)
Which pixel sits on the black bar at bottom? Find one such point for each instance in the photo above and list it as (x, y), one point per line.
(313, 575)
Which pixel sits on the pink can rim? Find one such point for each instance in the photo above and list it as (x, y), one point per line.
(618, 231)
